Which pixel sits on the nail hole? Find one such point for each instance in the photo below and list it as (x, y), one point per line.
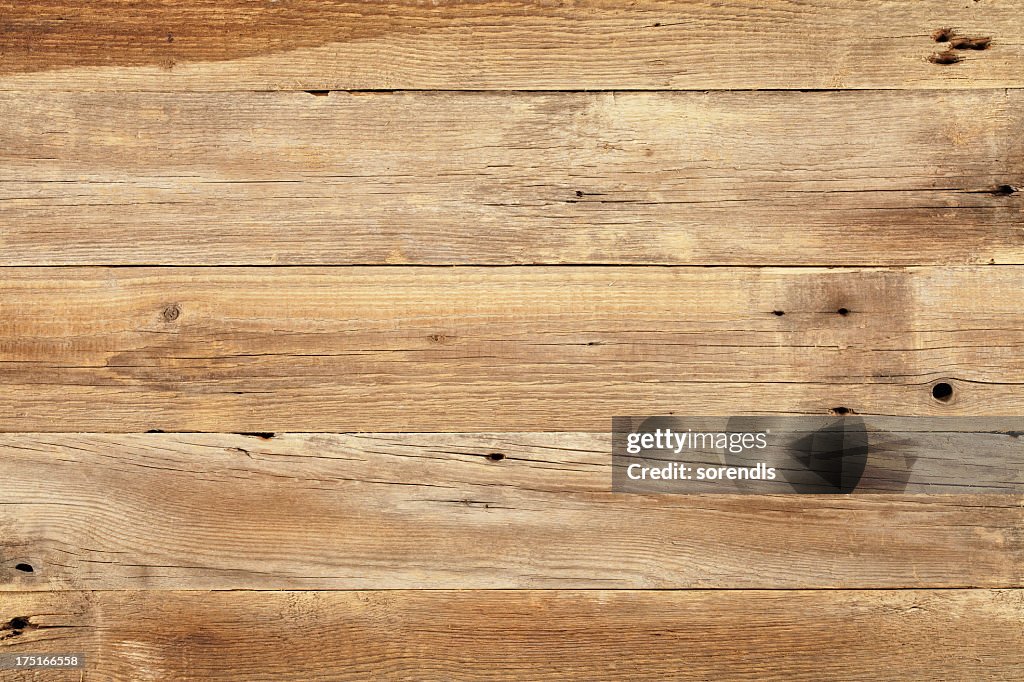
(965, 43)
(1004, 190)
(942, 392)
(318, 93)
(843, 311)
(947, 57)
(942, 35)
(24, 568)
(495, 456)
(778, 313)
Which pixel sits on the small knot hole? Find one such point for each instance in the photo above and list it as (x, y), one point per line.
(942, 391)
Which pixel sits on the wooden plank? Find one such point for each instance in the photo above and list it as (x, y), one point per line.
(489, 178)
(496, 349)
(460, 511)
(592, 635)
(529, 44)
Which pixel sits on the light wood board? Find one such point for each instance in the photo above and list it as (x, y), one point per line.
(496, 349)
(822, 178)
(428, 511)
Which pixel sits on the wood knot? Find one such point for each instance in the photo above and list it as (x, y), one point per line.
(17, 623)
(171, 312)
(16, 627)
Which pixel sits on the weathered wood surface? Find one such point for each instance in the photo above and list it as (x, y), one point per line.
(790, 178)
(460, 511)
(496, 349)
(591, 635)
(531, 45)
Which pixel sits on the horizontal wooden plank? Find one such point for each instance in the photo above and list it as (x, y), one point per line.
(503, 510)
(497, 349)
(489, 178)
(553, 635)
(528, 44)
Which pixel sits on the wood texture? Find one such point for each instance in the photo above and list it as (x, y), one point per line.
(582, 44)
(468, 233)
(495, 349)
(908, 635)
(497, 178)
(394, 511)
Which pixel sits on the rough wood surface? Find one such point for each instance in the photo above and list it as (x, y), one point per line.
(490, 636)
(496, 349)
(460, 511)
(790, 178)
(532, 44)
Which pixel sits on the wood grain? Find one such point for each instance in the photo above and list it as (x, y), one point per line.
(497, 178)
(531, 45)
(461, 511)
(593, 635)
(853, 170)
(495, 349)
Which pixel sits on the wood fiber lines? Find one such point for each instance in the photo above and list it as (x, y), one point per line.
(314, 317)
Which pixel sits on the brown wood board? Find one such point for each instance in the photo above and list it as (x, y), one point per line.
(792, 178)
(551, 635)
(428, 511)
(530, 45)
(493, 349)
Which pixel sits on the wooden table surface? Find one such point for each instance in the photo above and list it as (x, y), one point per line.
(314, 316)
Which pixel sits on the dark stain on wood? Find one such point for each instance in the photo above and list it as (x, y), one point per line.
(57, 35)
